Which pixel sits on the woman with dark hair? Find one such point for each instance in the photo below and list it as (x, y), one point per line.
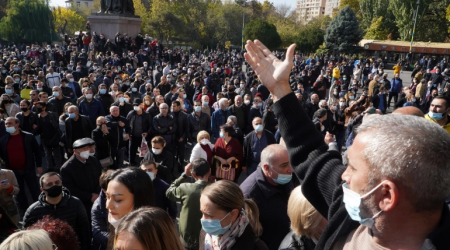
(228, 153)
(60, 232)
(229, 221)
(128, 189)
(147, 228)
(7, 104)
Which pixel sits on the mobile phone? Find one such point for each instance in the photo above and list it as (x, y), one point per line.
(3, 181)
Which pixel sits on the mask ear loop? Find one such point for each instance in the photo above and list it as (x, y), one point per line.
(373, 190)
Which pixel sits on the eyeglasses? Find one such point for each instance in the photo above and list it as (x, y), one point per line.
(163, 108)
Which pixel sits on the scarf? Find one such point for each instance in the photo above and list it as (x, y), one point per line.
(227, 240)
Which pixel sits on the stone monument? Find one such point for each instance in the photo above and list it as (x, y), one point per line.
(115, 16)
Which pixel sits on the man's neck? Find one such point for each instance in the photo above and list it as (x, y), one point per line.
(59, 97)
(198, 113)
(259, 133)
(53, 200)
(16, 133)
(442, 121)
(408, 230)
(204, 178)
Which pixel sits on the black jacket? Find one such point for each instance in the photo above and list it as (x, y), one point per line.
(165, 164)
(123, 110)
(248, 146)
(82, 179)
(53, 141)
(59, 104)
(197, 124)
(106, 100)
(33, 120)
(116, 132)
(153, 110)
(31, 147)
(146, 122)
(87, 129)
(164, 128)
(100, 225)
(182, 125)
(271, 200)
(311, 160)
(102, 148)
(69, 209)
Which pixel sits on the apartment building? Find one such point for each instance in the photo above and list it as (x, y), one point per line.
(309, 9)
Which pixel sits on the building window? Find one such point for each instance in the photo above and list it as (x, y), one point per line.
(78, 4)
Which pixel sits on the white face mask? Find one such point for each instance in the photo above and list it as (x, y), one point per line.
(85, 154)
(114, 223)
(204, 141)
(88, 96)
(92, 154)
(247, 102)
(137, 108)
(156, 151)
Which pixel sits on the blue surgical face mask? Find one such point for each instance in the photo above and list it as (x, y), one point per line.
(213, 227)
(40, 89)
(259, 105)
(55, 94)
(4, 71)
(72, 115)
(103, 91)
(152, 175)
(184, 96)
(198, 109)
(134, 89)
(222, 135)
(206, 103)
(282, 178)
(258, 128)
(8, 91)
(352, 97)
(121, 99)
(435, 116)
(11, 130)
(352, 202)
(17, 80)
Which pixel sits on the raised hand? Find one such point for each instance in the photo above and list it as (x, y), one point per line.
(271, 71)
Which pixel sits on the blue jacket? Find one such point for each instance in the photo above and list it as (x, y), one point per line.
(218, 118)
(161, 199)
(99, 214)
(92, 109)
(396, 86)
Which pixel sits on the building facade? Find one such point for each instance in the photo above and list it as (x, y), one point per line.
(309, 9)
(330, 5)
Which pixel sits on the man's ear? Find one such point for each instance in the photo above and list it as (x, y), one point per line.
(390, 196)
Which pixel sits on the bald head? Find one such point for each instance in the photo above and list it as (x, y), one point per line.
(409, 110)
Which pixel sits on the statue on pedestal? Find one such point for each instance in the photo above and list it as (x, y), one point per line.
(124, 7)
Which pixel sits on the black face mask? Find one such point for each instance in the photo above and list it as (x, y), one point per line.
(148, 89)
(54, 191)
(24, 109)
(39, 110)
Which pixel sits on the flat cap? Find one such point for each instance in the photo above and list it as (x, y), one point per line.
(83, 143)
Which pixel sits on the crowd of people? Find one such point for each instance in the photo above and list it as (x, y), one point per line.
(260, 150)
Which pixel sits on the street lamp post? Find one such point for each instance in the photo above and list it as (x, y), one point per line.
(414, 28)
(242, 2)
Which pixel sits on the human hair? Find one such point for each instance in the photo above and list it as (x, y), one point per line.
(223, 102)
(446, 99)
(412, 152)
(152, 227)
(138, 183)
(159, 140)
(228, 129)
(28, 240)
(103, 181)
(73, 106)
(269, 152)
(26, 102)
(46, 175)
(227, 196)
(304, 217)
(233, 119)
(320, 113)
(200, 167)
(148, 163)
(43, 104)
(202, 134)
(177, 103)
(60, 232)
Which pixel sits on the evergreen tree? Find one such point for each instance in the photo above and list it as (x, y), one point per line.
(263, 31)
(343, 33)
(28, 21)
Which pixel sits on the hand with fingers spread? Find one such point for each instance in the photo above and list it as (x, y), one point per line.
(271, 71)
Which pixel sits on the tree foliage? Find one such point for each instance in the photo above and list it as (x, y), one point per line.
(27, 21)
(343, 33)
(310, 36)
(67, 20)
(377, 30)
(263, 31)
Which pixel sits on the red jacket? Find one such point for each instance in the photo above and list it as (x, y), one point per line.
(211, 99)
